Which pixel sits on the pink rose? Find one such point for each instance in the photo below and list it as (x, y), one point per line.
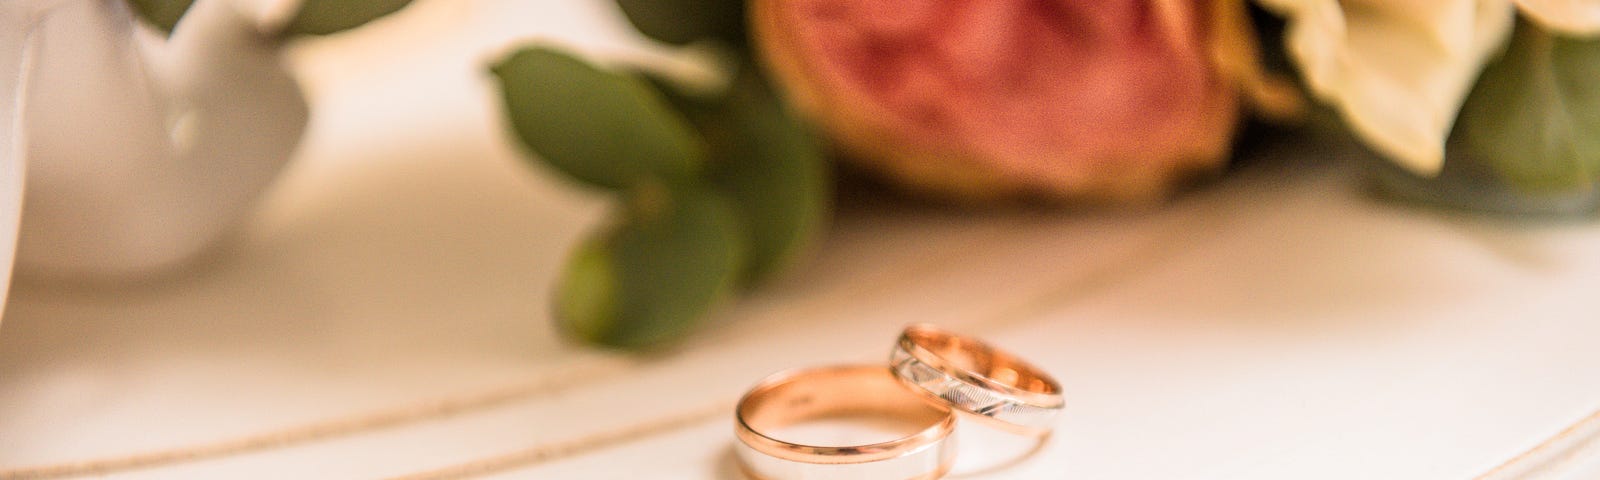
(1062, 99)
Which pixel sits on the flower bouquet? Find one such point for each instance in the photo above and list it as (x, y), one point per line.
(1486, 105)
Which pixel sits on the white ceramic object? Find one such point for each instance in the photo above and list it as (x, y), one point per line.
(18, 22)
(142, 151)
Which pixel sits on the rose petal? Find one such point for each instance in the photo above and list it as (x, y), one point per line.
(1061, 97)
(1236, 54)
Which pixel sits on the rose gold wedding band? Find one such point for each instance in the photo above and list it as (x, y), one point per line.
(973, 377)
(802, 395)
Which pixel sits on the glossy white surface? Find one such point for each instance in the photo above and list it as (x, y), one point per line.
(1277, 325)
(144, 150)
(19, 22)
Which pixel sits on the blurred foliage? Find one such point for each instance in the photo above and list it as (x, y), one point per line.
(316, 17)
(1534, 115)
(683, 21)
(774, 168)
(1527, 141)
(609, 130)
(649, 278)
(164, 14)
(717, 191)
(768, 161)
(322, 17)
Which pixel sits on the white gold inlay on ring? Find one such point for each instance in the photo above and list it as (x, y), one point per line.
(971, 376)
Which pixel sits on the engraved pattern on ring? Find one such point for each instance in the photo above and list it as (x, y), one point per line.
(966, 396)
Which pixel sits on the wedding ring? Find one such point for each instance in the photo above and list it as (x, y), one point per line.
(971, 376)
(800, 396)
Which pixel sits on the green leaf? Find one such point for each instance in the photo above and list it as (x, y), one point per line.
(322, 17)
(1534, 115)
(586, 299)
(161, 13)
(682, 21)
(767, 161)
(602, 128)
(657, 274)
(694, 105)
(775, 170)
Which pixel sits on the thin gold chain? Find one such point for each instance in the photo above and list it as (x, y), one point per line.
(599, 369)
(544, 452)
(1009, 316)
(1569, 442)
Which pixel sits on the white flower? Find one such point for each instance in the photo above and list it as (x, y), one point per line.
(1572, 17)
(1398, 70)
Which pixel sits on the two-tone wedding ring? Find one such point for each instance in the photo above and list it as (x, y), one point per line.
(795, 397)
(971, 376)
(933, 375)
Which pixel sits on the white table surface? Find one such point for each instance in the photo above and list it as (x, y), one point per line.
(1278, 324)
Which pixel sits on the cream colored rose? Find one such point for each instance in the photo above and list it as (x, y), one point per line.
(1398, 70)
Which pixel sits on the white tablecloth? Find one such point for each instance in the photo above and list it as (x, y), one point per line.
(386, 314)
